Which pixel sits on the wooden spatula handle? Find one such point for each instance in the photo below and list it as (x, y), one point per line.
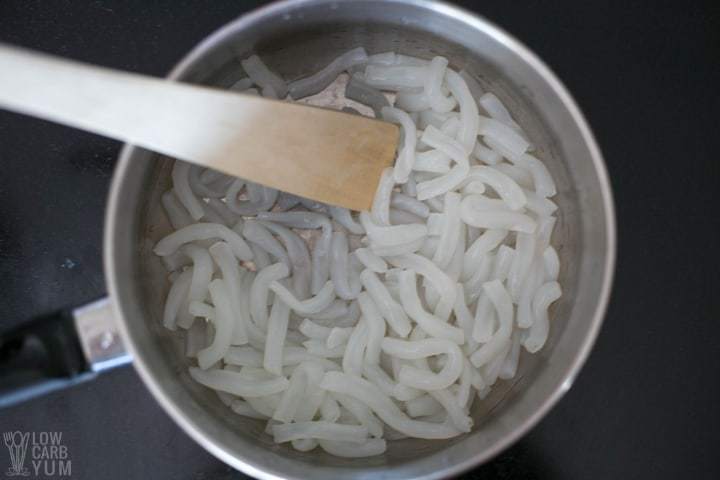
(308, 151)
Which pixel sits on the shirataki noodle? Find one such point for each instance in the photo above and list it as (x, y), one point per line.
(344, 330)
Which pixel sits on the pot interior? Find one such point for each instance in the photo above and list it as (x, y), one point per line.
(296, 42)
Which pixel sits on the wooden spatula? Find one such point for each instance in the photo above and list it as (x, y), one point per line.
(325, 155)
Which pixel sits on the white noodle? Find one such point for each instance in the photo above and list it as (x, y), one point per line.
(321, 252)
(276, 333)
(510, 365)
(442, 184)
(312, 330)
(320, 349)
(338, 336)
(455, 413)
(526, 248)
(286, 201)
(463, 316)
(435, 138)
(495, 108)
(345, 284)
(260, 198)
(486, 155)
(178, 216)
(395, 77)
(369, 448)
(406, 157)
(362, 414)
(375, 328)
(248, 356)
(552, 264)
(430, 323)
(176, 299)
(299, 258)
(412, 376)
(472, 84)
(312, 305)
(371, 261)
(385, 58)
(544, 296)
(442, 283)
(509, 191)
(181, 186)
(505, 136)
(451, 230)
(540, 206)
(432, 161)
(412, 101)
(437, 120)
(502, 302)
(423, 406)
(243, 356)
(376, 374)
(504, 260)
(469, 118)
(344, 218)
(203, 268)
(391, 235)
(203, 231)
(521, 176)
(243, 408)
(402, 217)
(355, 350)
(211, 190)
(464, 392)
(242, 84)
(410, 204)
(544, 184)
(320, 80)
(432, 86)
(401, 249)
(380, 209)
(381, 404)
(475, 214)
(256, 233)
(389, 308)
(259, 292)
(224, 258)
(361, 92)
(261, 75)
(451, 127)
(236, 384)
(224, 326)
(195, 339)
(221, 210)
(293, 396)
(454, 269)
(334, 311)
(491, 371)
(330, 410)
(261, 259)
(485, 243)
(532, 282)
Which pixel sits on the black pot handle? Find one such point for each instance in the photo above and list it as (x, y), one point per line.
(58, 350)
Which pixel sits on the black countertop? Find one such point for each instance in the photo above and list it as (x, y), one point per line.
(647, 403)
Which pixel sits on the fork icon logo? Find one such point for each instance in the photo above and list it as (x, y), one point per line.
(17, 444)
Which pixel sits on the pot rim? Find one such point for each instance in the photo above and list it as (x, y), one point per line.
(192, 428)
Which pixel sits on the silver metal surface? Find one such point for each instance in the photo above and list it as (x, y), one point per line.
(296, 38)
(97, 331)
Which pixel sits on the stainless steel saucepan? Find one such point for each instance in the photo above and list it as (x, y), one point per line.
(297, 38)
